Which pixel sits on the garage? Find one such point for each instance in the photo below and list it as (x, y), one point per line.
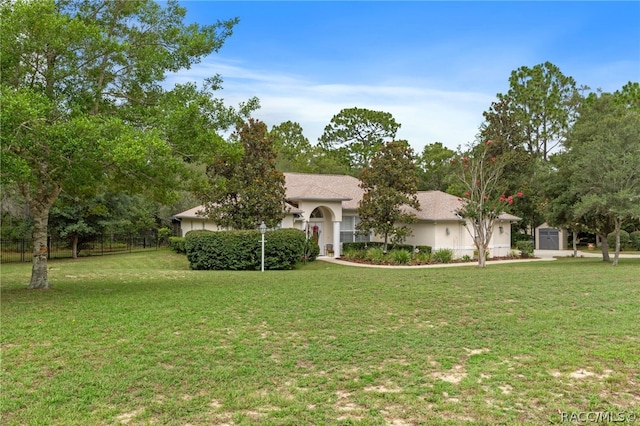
(548, 238)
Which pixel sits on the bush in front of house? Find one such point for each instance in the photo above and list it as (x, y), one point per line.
(526, 248)
(241, 250)
(311, 250)
(400, 257)
(177, 244)
(625, 240)
(442, 255)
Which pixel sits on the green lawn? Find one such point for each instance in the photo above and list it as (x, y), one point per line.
(141, 339)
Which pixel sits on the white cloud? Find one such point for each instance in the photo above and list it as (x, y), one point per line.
(426, 114)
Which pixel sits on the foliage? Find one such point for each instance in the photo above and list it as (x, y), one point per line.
(442, 255)
(537, 111)
(248, 190)
(83, 104)
(529, 122)
(400, 257)
(356, 134)
(240, 250)
(311, 250)
(177, 244)
(390, 186)
(434, 167)
(77, 221)
(483, 201)
(375, 255)
(625, 240)
(525, 247)
(635, 240)
(163, 235)
(602, 162)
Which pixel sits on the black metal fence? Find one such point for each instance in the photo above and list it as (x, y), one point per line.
(21, 250)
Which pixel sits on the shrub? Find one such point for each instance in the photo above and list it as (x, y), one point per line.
(405, 247)
(241, 250)
(525, 247)
(311, 250)
(424, 249)
(635, 240)
(442, 256)
(163, 235)
(487, 254)
(625, 240)
(400, 257)
(375, 255)
(177, 244)
(519, 236)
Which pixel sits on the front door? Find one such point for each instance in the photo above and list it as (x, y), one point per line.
(315, 231)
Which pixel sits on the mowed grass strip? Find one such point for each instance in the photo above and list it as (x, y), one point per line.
(141, 339)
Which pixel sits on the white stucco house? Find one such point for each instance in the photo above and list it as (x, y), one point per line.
(327, 205)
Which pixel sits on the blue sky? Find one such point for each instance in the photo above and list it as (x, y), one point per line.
(435, 66)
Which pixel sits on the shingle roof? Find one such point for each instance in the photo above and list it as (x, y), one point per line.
(435, 205)
(198, 212)
(438, 205)
(304, 186)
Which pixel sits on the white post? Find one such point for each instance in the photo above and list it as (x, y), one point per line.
(263, 229)
(336, 239)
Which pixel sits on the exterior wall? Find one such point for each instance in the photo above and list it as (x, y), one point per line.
(187, 225)
(454, 235)
(501, 241)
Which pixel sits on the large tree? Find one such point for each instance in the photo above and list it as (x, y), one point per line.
(245, 186)
(356, 134)
(536, 112)
(434, 167)
(390, 184)
(485, 198)
(529, 122)
(603, 158)
(82, 100)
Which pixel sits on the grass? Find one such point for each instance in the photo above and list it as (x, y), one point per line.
(140, 339)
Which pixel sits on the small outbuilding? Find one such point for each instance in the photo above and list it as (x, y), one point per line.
(549, 238)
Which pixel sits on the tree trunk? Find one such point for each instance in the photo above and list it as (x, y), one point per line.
(482, 257)
(39, 274)
(604, 245)
(618, 225)
(575, 243)
(74, 247)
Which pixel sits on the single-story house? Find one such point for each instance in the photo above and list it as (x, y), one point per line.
(326, 206)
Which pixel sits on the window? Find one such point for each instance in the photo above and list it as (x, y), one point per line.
(348, 231)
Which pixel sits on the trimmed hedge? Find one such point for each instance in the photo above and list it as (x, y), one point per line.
(241, 250)
(177, 244)
(351, 246)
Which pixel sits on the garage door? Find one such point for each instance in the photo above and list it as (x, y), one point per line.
(549, 239)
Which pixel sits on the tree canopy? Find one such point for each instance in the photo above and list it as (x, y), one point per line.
(356, 134)
(390, 185)
(603, 159)
(245, 186)
(83, 101)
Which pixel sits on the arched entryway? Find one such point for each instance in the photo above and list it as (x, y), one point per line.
(320, 230)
